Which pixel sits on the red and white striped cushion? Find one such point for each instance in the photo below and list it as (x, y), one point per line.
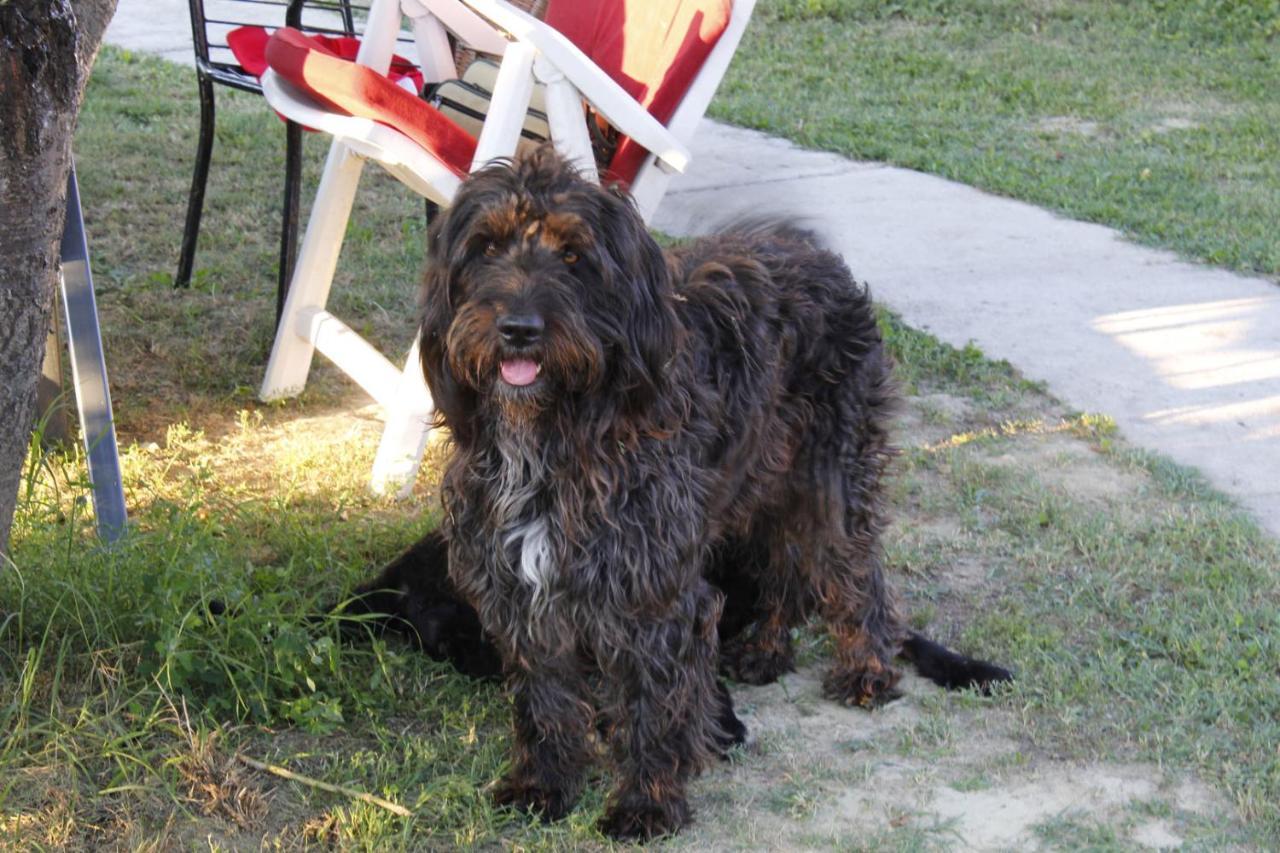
(351, 89)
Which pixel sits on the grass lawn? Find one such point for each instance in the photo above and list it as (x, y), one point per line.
(1157, 117)
(1140, 609)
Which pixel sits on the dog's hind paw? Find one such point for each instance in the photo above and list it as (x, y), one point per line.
(519, 794)
(645, 820)
(864, 688)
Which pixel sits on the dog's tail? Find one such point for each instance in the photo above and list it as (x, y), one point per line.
(949, 669)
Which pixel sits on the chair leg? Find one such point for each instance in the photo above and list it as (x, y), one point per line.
(289, 227)
(404, 439)
(293, 350)
(195, 201)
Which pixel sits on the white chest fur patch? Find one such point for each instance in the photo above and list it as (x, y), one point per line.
(525, 533)
(535, 552)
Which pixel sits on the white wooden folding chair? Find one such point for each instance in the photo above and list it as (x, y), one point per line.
(531, 52)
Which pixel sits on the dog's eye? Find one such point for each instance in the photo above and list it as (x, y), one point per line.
(569, 256)
(491, 249)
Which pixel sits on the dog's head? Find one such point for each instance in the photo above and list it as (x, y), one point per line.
(543, 291)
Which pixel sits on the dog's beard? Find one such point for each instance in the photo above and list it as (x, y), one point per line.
(520, 385)
(519, 405)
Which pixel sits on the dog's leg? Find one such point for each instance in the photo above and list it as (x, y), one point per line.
(667, 709)
(551, 749)
(730, 731)
(761, 651)
(859, 609)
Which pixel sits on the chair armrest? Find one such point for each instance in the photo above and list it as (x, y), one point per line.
(599, 89)
(421, 170)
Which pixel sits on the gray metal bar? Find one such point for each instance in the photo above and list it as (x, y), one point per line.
(51, 408)
(89, 372)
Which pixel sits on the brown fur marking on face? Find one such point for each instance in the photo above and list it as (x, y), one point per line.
(554, 232)
(564, 230)
(465, 335)
(502, 221)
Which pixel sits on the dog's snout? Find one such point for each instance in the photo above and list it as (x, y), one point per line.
(520, 329)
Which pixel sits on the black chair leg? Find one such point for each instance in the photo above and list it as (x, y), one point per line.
(289, 227)
(195, 202)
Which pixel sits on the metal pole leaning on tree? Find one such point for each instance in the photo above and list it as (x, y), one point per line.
(89, 372)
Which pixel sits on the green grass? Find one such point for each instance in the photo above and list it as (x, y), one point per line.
(1140, 609)
(1157, 117)
(923, 360)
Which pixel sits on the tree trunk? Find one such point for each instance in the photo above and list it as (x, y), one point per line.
(46, 50)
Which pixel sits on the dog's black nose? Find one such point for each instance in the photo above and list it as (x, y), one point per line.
(520, 330)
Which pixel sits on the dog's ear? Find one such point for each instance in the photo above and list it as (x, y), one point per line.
(640, 270)
(454, 402)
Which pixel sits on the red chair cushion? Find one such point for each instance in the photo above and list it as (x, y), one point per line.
(355, 90)
(652, 48)
(249, 46)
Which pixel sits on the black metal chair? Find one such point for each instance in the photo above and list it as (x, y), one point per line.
(216, 64)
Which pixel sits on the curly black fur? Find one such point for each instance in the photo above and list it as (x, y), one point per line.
(633, 432)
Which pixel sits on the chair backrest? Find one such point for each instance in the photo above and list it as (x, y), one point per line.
(674, 98)
(654, 49)
(211, 20)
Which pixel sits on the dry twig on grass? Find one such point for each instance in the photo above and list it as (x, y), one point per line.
(286, 773)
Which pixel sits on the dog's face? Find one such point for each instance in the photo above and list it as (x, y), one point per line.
(542, 289)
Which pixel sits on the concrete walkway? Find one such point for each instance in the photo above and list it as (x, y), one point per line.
(1186, 358)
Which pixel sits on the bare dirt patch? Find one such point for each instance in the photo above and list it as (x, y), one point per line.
(1067, 125)
(1070, 467)
(929, 418)
(1172, 123)
(927, 771)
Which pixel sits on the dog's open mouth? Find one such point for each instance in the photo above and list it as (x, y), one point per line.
(520, 372)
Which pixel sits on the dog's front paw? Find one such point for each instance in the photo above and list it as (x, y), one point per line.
(753, 662)
(645, 819)
(728, 731)
(864, 688)
(518, 793)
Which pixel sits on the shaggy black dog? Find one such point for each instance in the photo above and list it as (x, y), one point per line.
(635, 432)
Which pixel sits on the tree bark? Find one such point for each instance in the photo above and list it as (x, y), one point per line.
(47, 48)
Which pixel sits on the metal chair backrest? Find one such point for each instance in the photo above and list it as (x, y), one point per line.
(211, 20)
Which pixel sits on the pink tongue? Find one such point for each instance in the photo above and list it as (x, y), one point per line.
(519, 371)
